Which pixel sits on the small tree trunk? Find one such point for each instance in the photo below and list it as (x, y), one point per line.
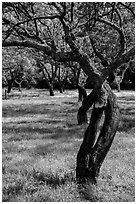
(61, 87)
(118, 82)
(5, 92)
(20, 90)
(50, 86)
(94, 150)
(61, 90)
(62, 84)
(51, 90)
(10, 84)
(118, 87)
(82, 94)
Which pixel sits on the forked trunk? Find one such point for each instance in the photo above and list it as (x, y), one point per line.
(94, 150)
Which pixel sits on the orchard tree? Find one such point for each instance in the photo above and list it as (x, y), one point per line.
(18, 67)
(48, 67)
(77, 78)
(129, 76)
(125, 75)
(62, 76)
(99, 36)
(54, 73)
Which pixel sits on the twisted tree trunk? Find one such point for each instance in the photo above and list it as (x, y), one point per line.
(94, 150)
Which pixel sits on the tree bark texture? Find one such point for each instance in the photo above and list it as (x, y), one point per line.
(94, 150)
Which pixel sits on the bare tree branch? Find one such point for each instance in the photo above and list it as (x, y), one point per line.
(119, 30)
(97, 53)
(120, 17)
(124, 58)
(72, 11)
(127, 7)
(58, 56)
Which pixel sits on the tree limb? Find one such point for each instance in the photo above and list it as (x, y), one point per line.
(127, 7)
(72, 10)
(97, 53)
(57, 56)
(124, 58)
(119, 30)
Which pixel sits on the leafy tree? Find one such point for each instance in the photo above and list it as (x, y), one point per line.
(49, 68)
(77, 79)
(125, 76)
(18, 67)
(96, 35)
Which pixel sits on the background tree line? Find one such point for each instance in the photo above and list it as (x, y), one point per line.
(32, 72)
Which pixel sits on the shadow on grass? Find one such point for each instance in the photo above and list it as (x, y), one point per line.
(11, 191)
(54, 132)
(35, 183)
(127, 119)
(57, 129)
(25, 133)
(23, 110)
(127, 98)
(12, 186)
(28, 133)
(53, 179)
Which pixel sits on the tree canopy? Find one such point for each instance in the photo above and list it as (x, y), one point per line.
(86, 32)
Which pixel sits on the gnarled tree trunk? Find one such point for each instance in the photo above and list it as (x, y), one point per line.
(94, 150)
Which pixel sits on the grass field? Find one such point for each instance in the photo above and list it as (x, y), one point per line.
(41, 139)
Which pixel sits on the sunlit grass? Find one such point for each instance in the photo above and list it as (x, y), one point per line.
(41, 139)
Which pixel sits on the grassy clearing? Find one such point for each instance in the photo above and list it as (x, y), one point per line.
(40, 143)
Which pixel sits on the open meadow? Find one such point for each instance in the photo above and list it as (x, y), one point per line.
(40, 143)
